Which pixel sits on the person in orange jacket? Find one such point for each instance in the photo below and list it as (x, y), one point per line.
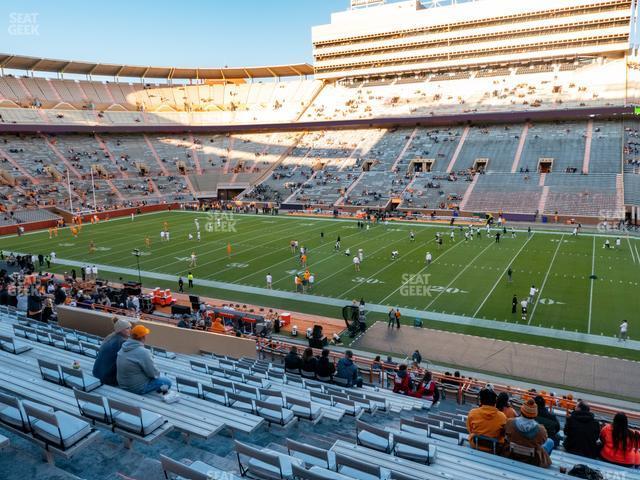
(487, 421)
(618, 442)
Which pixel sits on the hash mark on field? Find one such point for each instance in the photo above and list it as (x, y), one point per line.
(593, 268)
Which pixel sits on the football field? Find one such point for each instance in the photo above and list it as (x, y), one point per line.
(466, 278)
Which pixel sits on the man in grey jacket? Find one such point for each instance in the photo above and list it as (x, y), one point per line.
(136, 371)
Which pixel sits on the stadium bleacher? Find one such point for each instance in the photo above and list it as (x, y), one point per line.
(349, 433)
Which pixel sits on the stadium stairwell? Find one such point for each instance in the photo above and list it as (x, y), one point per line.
(292, 197)
(267, 172)
(196, 159)
(348, 190)
(312, 99)
(518, 155)
(62, 158)
(467, 194)
(163, 169)
(229, 149)
(23, 86)
(543, 198)
(404, 149)
(56, 94)
(620, 193)
(114, 189)
(105, 149)
(587, 147)
(16, 165)
(156, 190)
(465, 133)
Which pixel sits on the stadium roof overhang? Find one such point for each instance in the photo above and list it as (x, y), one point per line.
(35, 64)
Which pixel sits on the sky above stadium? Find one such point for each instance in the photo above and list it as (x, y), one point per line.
(165, 33)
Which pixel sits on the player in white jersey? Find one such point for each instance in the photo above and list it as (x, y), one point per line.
(190, 237)
(428, 258)
(356, 263)
(269, 281)
(162, 236)
(198, 235)
(194, 259)
(361, 254)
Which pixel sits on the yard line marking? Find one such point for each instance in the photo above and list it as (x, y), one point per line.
(593, 268)
(637, 255)
(460, 273)
(385, 267)
(544, 282)
(631, 248)
(328, 257)
(502, 275)
(420, 271)
(222, 248)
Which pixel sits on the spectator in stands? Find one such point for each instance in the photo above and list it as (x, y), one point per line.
(486, 421)
(59, 296)
(426, 389)
(581, 432)
(47, 310)
(402, 380)
(526, 432)
(325, 367)
(136, 371)
(292, 361)
(218, 326)
(184, 322)
(104, 368)
(548, 420)
(619, 442)
(22, 301)
(309, 363)
(348, 370)
(34, 304)
(503, 404)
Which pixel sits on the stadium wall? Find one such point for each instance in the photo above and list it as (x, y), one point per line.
(28, 227)
(172, 338)
(382, 122)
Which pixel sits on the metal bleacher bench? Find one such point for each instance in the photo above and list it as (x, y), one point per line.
(196, 417)
(174, 469)
(56, 432)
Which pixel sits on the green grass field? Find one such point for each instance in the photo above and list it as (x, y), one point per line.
(465, 278)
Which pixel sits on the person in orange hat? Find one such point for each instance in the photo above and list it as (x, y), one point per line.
(526, 432)
(136, 371)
